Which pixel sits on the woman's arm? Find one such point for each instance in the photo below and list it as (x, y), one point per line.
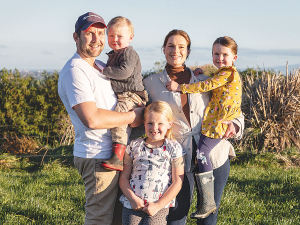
(152, 208)
(136, 202)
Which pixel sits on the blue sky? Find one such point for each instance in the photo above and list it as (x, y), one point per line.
(37, 34)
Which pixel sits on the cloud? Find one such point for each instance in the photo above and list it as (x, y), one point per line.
(3, 46)
(46, 52)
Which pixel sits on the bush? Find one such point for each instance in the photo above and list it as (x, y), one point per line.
(271, 105)
(30, 107)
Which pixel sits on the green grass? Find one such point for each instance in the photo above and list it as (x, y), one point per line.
(262, 192)
(52, 195)
(255, 195)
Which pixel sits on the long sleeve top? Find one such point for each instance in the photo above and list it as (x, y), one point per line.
(124, 69)
(225, 104)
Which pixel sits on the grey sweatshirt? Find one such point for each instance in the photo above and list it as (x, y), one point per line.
(124, 69)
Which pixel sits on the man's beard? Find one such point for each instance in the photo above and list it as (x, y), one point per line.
(87, 51)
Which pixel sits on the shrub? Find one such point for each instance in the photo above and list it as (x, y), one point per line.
(17, 146)
(271, 104)
(208, 69)
(29, 107)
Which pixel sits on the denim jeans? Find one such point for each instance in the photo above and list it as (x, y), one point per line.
(178, 214)
(221, 175)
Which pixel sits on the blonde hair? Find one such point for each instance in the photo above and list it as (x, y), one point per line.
(120, 20)
(163, 108)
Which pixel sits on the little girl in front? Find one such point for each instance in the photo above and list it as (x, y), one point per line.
(153, 170)
(225, 105)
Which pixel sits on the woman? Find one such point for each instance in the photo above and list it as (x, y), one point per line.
(188, 110)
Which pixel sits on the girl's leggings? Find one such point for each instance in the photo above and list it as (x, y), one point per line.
(204, 147)
(131, 217)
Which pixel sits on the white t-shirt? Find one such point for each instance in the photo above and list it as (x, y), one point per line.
(79, 82)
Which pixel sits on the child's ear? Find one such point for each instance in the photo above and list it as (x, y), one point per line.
(170, 124)
(235, 58)
(131, 37)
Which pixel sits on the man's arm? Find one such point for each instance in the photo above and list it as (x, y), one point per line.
(96, 118)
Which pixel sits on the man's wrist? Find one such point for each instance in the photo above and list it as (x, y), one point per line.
(131, 116)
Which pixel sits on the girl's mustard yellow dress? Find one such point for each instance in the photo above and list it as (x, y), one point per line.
(225, 103)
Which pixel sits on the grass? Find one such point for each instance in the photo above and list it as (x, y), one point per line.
(259, 191)
(255, 195)
(51, 195)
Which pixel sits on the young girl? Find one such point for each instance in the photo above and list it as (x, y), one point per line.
(225, 105)
(153, 170)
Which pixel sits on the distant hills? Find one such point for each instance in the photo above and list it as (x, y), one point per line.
(281, 69)
(37, 73)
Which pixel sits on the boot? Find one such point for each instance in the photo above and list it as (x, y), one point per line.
(116, 160)
(207, 205)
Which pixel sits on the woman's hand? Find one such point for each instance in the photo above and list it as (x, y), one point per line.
(137, 203)
(151, 208)
(231, 131)
(198, 71)
(173, 86)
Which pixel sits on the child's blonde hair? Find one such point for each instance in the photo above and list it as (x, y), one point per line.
(118, 20)
(163, 108)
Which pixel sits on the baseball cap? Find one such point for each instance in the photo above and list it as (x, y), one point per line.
(86, 20)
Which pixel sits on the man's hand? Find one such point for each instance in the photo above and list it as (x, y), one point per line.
(173, 86)
(231, 131)
(139, 113)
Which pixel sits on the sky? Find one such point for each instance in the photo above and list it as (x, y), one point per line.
(37, 34)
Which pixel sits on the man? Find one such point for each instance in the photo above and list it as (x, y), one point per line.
(90, 101)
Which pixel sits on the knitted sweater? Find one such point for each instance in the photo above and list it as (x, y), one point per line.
(124, 69)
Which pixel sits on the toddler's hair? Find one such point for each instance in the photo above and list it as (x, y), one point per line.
(227, 42)
(163, 108)
(120, 20)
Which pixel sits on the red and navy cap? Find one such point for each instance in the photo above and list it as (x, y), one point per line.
(87, 19)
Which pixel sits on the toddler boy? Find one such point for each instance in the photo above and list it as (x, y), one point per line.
(124, 69)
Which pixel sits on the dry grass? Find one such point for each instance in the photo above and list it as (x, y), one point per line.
(208, 69)
(20, 145)
(66, 130)
(271, 104)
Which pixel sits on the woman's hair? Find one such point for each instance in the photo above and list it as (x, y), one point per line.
(227, 42)
(118, 20)
(178, 32)
(163, 108)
